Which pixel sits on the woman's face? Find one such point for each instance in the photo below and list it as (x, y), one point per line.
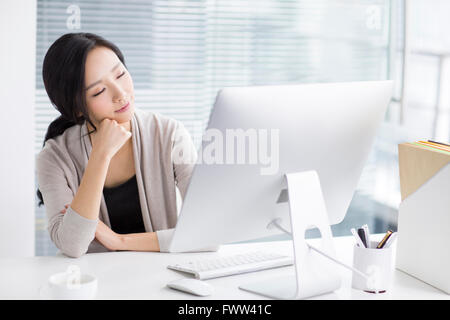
(109, 87)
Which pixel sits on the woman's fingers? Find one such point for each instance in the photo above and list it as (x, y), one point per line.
(110, 137)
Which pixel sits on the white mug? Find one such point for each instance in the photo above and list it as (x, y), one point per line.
(70, 285)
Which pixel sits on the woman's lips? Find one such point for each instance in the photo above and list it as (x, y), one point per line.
(124, 108)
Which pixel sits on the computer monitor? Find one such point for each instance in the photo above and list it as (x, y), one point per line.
(258, 134)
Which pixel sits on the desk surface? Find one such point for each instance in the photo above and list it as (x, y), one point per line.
(144, 275)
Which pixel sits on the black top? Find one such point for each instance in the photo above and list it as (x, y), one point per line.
(124, 208)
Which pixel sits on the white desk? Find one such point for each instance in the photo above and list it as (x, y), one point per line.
(144, 275)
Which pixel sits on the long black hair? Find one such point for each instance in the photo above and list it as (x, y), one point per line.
(63, 74)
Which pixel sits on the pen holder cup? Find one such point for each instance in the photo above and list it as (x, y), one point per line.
(377, 264)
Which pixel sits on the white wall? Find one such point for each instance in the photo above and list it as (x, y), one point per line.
(17, 87)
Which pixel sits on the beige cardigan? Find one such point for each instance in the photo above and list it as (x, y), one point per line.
(61, 164)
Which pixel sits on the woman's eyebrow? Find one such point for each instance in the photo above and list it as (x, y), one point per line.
(97, 82)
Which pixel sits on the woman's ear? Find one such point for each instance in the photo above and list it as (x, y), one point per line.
(80, 115)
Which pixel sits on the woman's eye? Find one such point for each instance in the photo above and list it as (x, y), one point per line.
(99, 92)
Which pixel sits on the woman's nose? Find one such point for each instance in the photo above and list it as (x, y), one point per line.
(119, 95)
(120, 98)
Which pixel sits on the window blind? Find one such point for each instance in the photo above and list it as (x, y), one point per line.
(180, 53)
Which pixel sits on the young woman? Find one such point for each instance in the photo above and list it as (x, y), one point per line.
(106, 173)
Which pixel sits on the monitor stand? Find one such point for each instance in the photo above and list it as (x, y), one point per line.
(314, 274)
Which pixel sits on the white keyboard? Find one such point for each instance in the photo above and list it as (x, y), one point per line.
(231, 265)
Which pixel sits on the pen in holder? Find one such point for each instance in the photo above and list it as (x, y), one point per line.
(376, 264)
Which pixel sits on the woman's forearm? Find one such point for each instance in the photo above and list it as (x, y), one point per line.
(147, 241)
(88, 197)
